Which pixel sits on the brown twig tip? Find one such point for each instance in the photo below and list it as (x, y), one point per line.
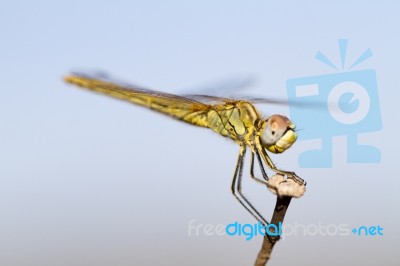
(285, 189)
(281, 186)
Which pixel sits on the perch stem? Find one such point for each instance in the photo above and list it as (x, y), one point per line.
(281, 206)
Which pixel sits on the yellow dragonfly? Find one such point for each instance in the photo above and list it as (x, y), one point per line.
(238, 120)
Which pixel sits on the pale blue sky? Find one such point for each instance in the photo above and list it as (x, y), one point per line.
(88, 180)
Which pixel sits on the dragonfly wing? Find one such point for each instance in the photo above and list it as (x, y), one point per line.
(181, 108)
(257, 100)
(223, 88)
(207, 98)
(309, 104)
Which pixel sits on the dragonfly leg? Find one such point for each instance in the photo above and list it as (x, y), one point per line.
(264, 174)
(236, 189)
(252, 172)
(290, 175)
(263, 153)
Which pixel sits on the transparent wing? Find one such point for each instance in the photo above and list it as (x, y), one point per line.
(222, 88)
(226, 91)
(294, 103)
(258, 100)
(182, 108)
(207, 98)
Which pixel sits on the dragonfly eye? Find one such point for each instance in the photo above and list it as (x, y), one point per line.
(278, 133)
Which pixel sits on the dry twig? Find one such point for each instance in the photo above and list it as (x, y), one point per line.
(285, 189)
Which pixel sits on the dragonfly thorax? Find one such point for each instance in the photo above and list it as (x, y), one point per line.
(278, 133)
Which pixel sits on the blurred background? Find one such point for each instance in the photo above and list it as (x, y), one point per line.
(89, 180)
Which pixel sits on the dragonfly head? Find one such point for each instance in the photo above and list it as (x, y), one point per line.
(278, 133)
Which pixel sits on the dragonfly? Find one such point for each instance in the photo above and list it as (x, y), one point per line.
(236, 119)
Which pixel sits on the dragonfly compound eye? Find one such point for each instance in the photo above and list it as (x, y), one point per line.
(278, 134)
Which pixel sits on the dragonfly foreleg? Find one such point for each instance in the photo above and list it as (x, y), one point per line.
(263, 153)
(236, 189)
